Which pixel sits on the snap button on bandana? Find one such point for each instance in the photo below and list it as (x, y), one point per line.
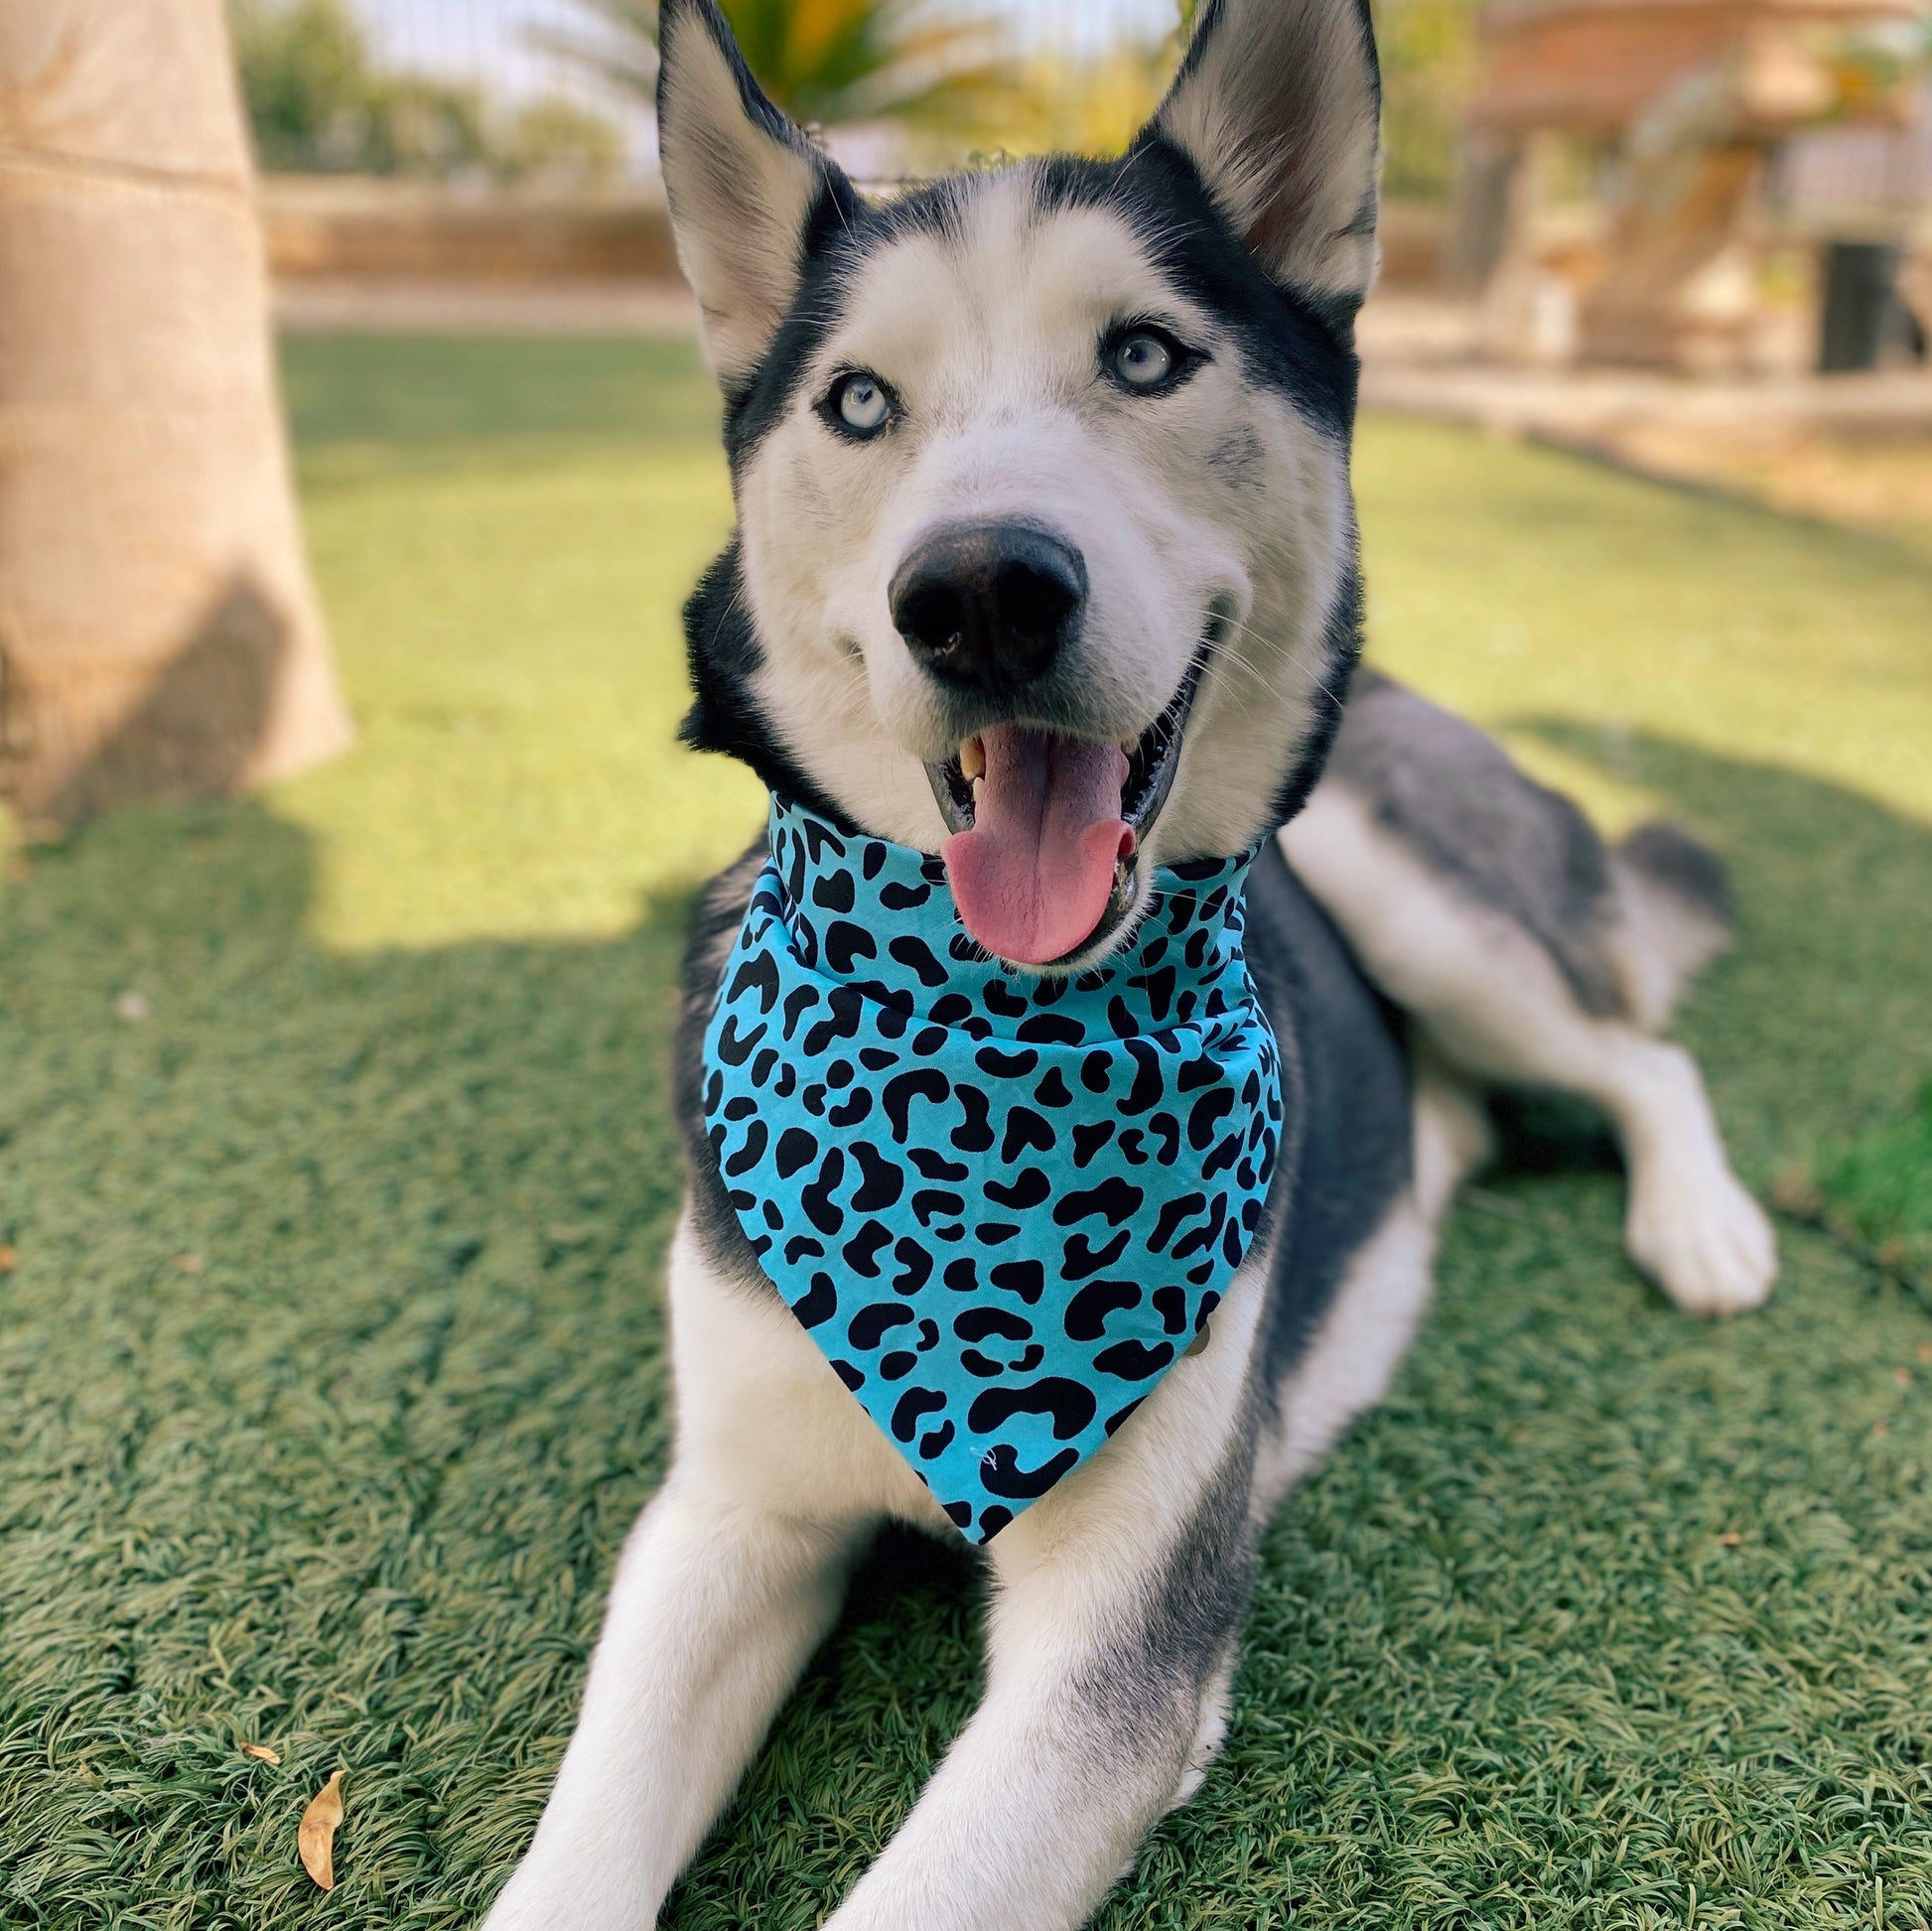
(1002, 1206)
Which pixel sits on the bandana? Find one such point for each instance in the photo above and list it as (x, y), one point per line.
(1002, 1205)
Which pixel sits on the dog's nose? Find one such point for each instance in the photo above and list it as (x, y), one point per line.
(989, 606)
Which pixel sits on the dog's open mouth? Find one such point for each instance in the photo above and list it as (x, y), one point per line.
(1046, 829)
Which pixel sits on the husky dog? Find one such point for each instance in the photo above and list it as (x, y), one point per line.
(1044, 524)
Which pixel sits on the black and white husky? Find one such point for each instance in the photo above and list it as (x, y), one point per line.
(1143, 372)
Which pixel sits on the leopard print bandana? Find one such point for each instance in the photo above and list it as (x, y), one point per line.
(1003, 1204)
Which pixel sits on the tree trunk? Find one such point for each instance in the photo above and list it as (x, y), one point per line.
(159, 631)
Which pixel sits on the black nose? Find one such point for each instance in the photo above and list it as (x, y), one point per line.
(989, 606)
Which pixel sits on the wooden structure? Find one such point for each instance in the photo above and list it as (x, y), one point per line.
(335, 228)
(1690, 96)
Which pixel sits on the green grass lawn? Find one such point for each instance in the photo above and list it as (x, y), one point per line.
(331, 1357)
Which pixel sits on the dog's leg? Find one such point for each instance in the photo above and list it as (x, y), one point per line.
(1111, 1641)
(1488, 997)
(714, 1609)
(731, 1579)
(1086, 1735)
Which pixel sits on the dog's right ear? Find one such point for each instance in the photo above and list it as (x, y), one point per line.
(746, 187)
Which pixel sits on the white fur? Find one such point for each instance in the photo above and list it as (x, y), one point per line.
(1036, 1807)
(1495, 1006)
(731, 1579)
(1276, 108)
(1664, 944)
(734, 1575)
(1216, 1709)
(738, 196)
(991, 339)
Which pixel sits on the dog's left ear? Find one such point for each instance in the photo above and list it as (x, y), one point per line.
(744, 187)
(1278, 105)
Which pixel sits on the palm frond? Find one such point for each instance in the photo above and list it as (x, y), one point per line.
(833, 61)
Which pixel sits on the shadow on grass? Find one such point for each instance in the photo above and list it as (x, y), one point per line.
(333, 1340)
(337, 1338)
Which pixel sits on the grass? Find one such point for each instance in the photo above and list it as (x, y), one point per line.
(333, 1341)
(1882, 1184)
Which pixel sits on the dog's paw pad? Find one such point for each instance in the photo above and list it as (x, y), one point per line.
(1704, 1241)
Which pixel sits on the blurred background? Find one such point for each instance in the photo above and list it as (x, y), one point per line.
(1709, 185)
(355, 457)
(1605, 191)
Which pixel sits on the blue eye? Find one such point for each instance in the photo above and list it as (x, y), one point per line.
(1141, 360)
(859, 403)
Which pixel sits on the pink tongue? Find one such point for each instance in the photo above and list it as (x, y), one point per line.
(1031, 878)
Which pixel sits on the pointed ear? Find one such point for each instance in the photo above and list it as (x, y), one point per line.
(1278, 105)
(745, 186)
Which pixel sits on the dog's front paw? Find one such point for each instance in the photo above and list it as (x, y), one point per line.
(1703, 1239)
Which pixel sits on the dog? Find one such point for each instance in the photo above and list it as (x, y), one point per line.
(1044, 588)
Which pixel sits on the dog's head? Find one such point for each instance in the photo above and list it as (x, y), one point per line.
(1045, 553)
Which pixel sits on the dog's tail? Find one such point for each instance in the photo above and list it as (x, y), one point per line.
(1677, 916)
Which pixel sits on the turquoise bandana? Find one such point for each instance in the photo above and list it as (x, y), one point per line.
(1002, 1205)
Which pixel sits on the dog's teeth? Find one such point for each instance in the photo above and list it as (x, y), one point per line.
(972, 758)
(979, 791)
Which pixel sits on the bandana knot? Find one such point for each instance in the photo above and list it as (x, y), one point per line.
(1002, 1205)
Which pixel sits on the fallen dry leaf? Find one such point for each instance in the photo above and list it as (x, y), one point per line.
(1729, 1539)
(317, 1833)
(189, 1263)
(261, 1750)
(9, 1260)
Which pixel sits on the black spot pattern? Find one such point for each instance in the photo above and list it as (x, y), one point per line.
(1000, 1203)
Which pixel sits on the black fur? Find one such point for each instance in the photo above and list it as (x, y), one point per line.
(723, 653)
(1454, 797)
(1691, 873)
(1286, 343)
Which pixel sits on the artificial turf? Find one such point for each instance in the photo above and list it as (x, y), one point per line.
(331, 1350)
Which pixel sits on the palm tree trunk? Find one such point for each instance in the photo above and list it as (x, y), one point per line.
(159, 631)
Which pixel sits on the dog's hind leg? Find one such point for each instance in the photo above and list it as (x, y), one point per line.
(1527, 955)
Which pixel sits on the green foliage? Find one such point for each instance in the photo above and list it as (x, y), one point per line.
(305, 72)
(1429, 56)
(333, 1344)
(554, 138)
(844, 61)
(830, 61)
(318, 103)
